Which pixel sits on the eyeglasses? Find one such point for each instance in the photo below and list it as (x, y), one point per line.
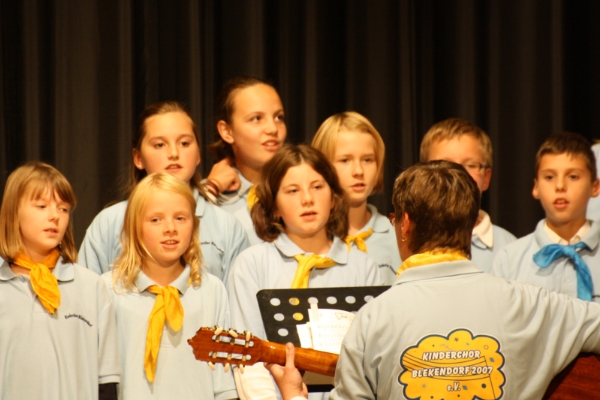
(392, 218)
(474, 166)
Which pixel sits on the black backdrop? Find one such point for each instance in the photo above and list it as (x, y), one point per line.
(74, 74)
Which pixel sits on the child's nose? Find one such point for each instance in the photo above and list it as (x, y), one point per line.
(357, 168)
(307, 197)
(174, 152)
(271, 127)
(170, 227)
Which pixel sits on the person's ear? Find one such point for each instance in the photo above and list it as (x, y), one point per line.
(595, 188)
(137, 159)
(225, 132)
(536, 192)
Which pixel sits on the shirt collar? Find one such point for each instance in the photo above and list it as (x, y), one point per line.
(143, 281)
(377, 222)
(484, 230)
(63, 272)
(580, 234)
(591, 239)
(245, 184)
(338, 251)
(439, 270)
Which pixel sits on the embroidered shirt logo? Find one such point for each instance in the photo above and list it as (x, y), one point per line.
(81, 317)
(459, 363)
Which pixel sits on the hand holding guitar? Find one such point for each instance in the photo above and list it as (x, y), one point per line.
(287, 377)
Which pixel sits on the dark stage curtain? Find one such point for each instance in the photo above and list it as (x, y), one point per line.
(74, 75)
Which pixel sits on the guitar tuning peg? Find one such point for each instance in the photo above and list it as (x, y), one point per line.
(241, 367)
(248, 335)
(218, 330)
(232, 332)
(226, 369)
(212, 366)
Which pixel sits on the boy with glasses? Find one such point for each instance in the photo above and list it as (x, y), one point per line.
(464, 143)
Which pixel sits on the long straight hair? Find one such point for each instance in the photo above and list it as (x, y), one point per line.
(134, 253)
(34, 180)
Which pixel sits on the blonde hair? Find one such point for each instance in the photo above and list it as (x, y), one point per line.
(453, 128)
(134, 253)
(36, 180)
(326, 138)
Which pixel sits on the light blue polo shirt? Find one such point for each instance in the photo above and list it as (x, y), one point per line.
(272, 266)
(482, 255)
(593, 209)
(523, 334)
(178, 374)
(64, 355)
(515, 261)
(382, 245)
(236, 200)
(222, 238)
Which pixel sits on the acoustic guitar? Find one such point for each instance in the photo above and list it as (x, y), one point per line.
(216, 345)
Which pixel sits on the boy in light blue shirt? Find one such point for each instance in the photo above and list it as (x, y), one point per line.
(462, 142)
(561, 253)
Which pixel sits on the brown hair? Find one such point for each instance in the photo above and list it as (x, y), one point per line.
(162, 107)
(225, 109)
(268, 226)
(442, 203)
(34, 179)
(326, 138)
(452, 128)
(572, 144)
(134, 253)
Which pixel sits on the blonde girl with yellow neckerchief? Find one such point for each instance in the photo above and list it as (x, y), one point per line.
(57, 328)
(301, 214)
(162, 296)
(356, 150)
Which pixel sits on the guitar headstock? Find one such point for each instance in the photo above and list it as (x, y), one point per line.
(216, 345)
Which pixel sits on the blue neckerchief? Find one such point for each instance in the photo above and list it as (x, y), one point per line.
(548, 254)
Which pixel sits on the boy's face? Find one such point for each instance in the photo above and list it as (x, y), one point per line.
(464, 150)
(564, 186)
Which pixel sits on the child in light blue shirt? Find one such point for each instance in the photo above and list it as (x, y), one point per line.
(561, 253)
(464, 143)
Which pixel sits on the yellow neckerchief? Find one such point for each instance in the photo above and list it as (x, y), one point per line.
(252, 197)
(43, 282)
(359, 239)
(305, 265)
(167, 306)
(431, 257)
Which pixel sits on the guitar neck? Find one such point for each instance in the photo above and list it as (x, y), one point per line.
(215, 345)
(305, 359)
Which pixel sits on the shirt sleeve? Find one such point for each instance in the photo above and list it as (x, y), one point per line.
(96, 252)
(242, 288)
(109, 367)
(501, 264)
(223, 382)
(237, 241)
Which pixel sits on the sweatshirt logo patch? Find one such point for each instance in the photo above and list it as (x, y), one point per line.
(457, 366)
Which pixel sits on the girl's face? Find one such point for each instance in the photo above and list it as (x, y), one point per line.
(42, 223)
(304, 202)
(169, 145)
(356, 165)
(167, 228)
(257, 128)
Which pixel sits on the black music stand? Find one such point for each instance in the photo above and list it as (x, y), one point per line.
(283, 309)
